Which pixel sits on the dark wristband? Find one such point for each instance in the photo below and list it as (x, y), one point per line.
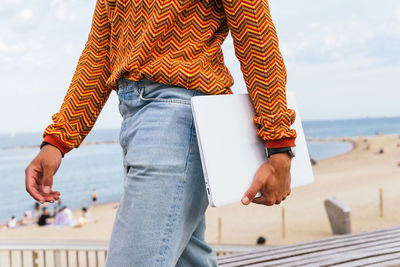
(289, 150)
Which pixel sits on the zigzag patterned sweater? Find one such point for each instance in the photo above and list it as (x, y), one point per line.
(177, 42)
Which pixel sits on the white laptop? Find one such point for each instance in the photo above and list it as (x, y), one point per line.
(230, 149)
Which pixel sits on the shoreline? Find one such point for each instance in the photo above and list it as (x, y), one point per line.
(3, 221)
(85, 143)
(353, 178)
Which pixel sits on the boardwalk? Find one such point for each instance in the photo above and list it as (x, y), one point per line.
(378, 248)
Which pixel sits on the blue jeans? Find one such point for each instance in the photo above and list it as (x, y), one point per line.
(160, 220)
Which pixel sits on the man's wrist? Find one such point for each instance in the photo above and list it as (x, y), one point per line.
(44, 143)
(57, 142)
(281, 156)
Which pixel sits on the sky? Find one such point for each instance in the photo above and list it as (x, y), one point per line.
(342, 58)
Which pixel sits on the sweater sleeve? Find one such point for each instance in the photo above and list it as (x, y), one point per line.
(88, 92)
(256, 47)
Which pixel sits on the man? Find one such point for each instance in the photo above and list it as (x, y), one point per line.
(157, 55)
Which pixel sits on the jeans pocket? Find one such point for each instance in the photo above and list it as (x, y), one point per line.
(142, 96)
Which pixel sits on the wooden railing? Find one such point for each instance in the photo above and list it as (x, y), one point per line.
(49, 255)
(74, 254)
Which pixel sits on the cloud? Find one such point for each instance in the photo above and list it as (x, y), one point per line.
(26, 14)
(71, 10)
(328, 32)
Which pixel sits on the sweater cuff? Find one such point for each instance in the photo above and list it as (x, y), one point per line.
(285, 142)
(56, 141)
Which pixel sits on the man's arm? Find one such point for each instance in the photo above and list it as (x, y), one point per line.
(87, 93)
(256, 47)
(85, 98)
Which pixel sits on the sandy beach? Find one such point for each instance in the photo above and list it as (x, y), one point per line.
(354, 179)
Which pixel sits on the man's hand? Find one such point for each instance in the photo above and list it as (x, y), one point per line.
(272, 179)
(39, 174)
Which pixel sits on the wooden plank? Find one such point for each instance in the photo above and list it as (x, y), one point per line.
(368, 255)
(365, 252)
(391, 263)
(356, 255)
(388, 232)
(383, 260)
(313, 244)
(290, 252)
(297, 246)
(316, 257)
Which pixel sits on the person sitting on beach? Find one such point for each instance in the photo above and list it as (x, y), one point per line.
(28, 217)
(86, 214)
(261, 240)
(84, 218)
(43, 218)
(64, 217)
(61, 218)
(69, 214)
(12, 223)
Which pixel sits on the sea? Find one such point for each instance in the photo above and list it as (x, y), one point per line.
(99, 166)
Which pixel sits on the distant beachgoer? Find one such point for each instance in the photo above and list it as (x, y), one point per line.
(94, 197)
(86, 214)
(28, 217)
(37, 210)
(57, 207)
(59, 203)
(313, 161)
(156, 60)
(12, 223)
(68, 212)
(381, 151)
(55, 211)
(43, 218)
(261, 241)
(84, 218)
(61, 218)
(398, 164)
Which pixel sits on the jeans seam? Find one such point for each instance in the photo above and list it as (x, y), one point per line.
(190, 150)
(176, 206)
(171, 221)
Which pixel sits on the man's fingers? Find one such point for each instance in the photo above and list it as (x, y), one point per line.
(38, 185)
(39, 175)
(47, 182)
(269, 201)
(36, 194)
(265, 200)
(31, 175)
(252, 191)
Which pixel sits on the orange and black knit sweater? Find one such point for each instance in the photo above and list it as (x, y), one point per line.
(177, 42)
